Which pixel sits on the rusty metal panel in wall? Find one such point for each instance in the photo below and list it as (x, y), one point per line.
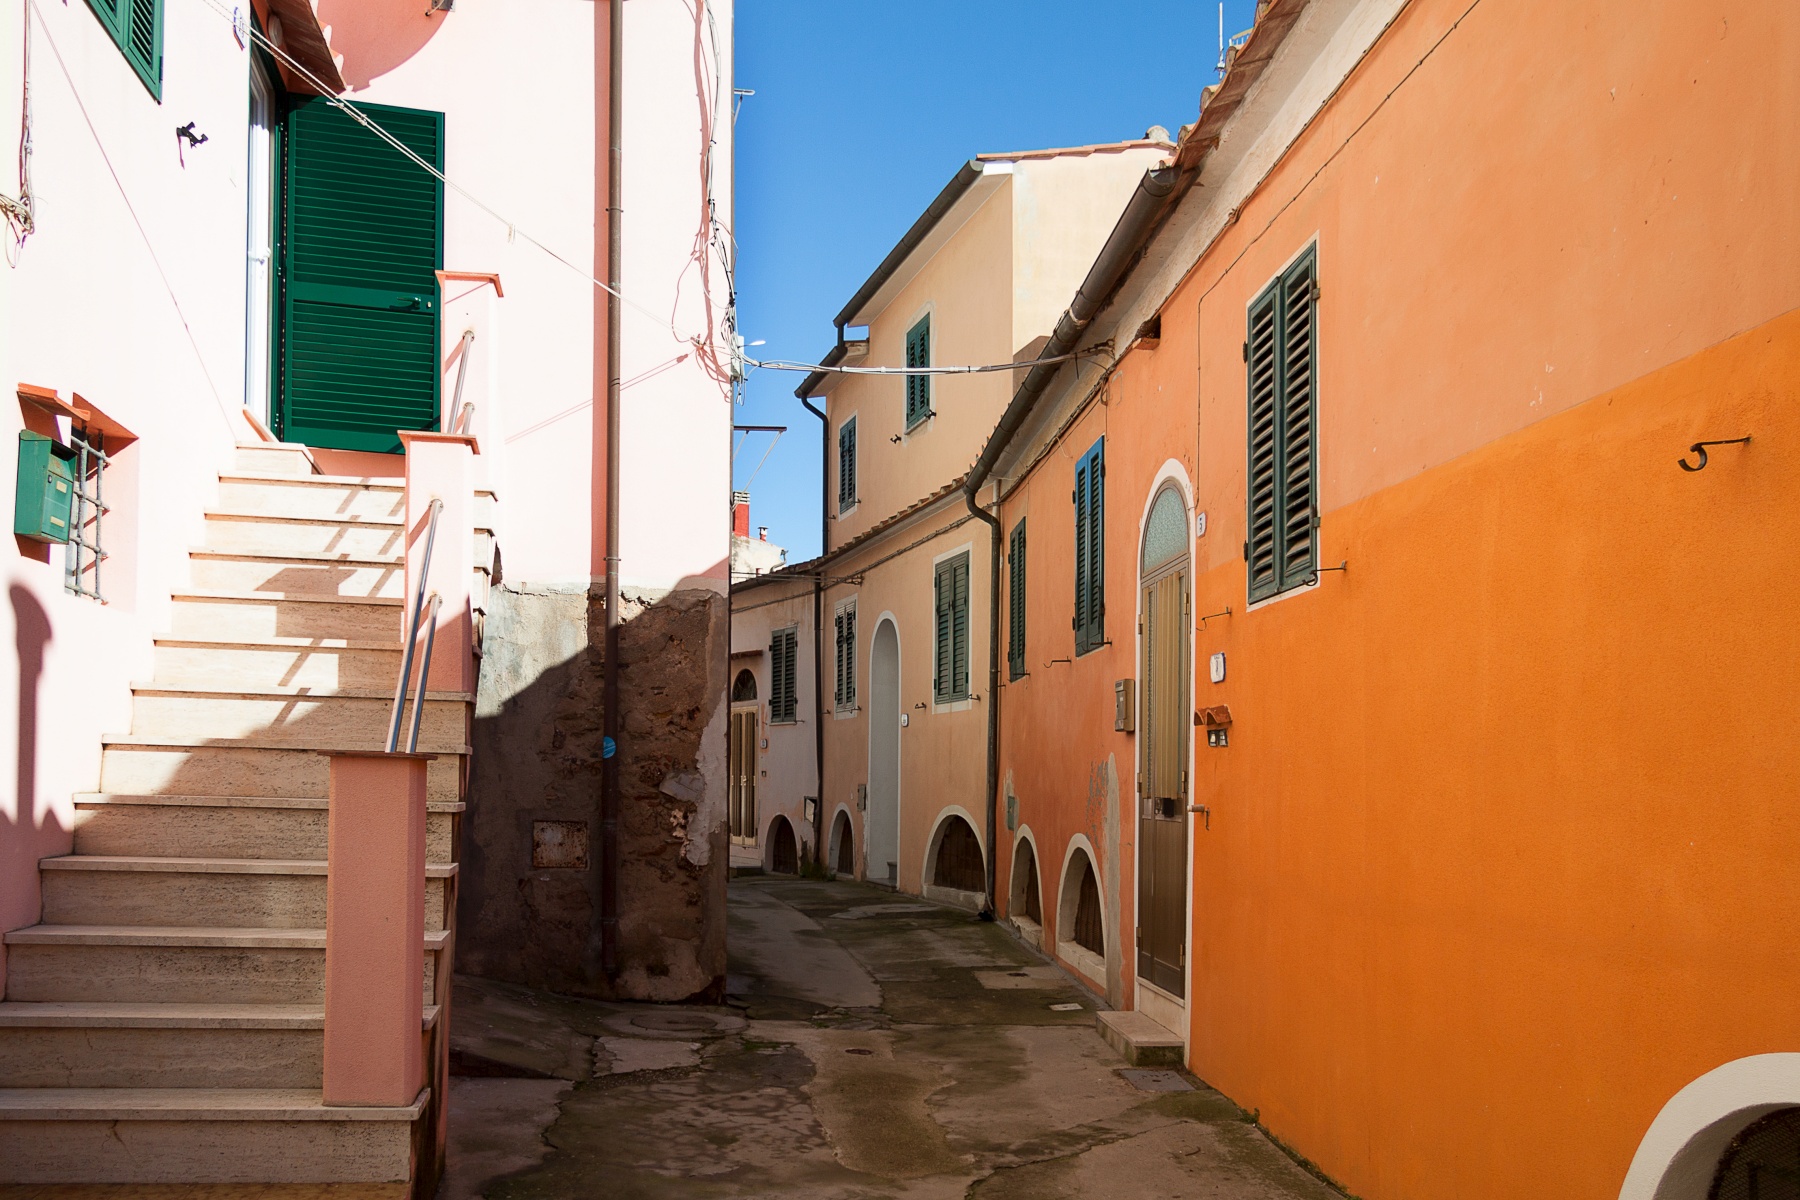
(559, 844)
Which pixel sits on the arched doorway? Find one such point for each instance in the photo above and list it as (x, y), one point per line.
(1762, 1162)
(1164, 673)
(843, 842)
(784, 851)
(745, 757)
(881, 824)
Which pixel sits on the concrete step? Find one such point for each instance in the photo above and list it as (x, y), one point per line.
(145, 768)
(219, 662)
(285, 615)
(274, 458)
(312, 496)
(314, 574)
(227, 826)
(200, 1135)
(267, 893)
(163, 1045)
(351, 717)
(356, 537)
(144, 964)
(1139, 1040)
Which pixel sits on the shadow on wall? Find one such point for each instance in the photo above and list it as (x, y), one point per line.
(375, 36)
(22, 839)
(529, 900)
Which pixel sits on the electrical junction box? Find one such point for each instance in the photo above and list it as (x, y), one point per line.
(46, 491)
(1125, 705)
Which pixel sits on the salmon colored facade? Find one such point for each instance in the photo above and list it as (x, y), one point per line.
(1496, 864)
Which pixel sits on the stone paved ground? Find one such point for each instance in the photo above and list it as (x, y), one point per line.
(875, 1046)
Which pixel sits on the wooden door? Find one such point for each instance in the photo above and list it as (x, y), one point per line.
(1163, 783)
(744, 757)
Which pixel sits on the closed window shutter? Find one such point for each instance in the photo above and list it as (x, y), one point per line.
(136, 27)
(783, 648)
(959, 628)
(1090, 549)
(918, 387)
(940, 667)
(362, 239)
(837, 694)
(1281, 550)
(847, 465)
(1015, 655)
(849, 658)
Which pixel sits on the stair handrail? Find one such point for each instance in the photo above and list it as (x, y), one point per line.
(465, 419)
(462, 373)
(412, 630)
(412, 741)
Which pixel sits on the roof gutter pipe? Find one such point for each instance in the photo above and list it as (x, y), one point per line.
(1155, 195)
(610, 800)
(819, 621)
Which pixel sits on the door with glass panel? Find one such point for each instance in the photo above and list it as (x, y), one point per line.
(1164, 727)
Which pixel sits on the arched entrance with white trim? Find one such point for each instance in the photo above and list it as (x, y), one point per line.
(1693, 1151)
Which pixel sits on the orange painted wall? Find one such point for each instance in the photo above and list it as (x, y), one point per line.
(1501, 852)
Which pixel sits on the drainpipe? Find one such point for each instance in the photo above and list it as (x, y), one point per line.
(993, 689)
(1155, 196)
(610, 723)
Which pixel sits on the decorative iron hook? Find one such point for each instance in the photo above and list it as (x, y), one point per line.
(187, 131)
(1700, 449)
(1317, 571)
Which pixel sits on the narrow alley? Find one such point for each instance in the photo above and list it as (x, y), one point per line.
(873, 1045)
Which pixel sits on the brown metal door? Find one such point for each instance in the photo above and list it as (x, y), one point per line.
(743, 775)
(1163, 785)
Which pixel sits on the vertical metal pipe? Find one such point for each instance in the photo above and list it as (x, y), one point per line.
(993, 690)
(610, 723)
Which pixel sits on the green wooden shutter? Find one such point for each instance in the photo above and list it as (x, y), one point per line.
(362, 237)
(959, 628)
(849, 670)
(1262, 355)
(847, 465)
(1090, 548)
(1015, 652)
(918, 387)
(1280, 549)
(136, 27)
(943, 676)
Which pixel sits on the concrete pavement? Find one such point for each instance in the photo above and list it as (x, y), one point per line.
(875, 1046)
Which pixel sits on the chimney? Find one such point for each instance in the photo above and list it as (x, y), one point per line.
(740, 514)
(762, 533)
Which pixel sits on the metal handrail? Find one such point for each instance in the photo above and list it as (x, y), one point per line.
(412, 741)
(462, 373)
(412, 631)
(465, 419)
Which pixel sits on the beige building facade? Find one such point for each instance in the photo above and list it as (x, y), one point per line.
(894, 612)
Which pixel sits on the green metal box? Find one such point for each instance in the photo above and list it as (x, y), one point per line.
(46, 494)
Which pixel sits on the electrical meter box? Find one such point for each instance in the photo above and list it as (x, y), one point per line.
(46, 494)
(1125, 705)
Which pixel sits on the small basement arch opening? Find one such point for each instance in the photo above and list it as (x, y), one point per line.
(784, 851)
(843, 843)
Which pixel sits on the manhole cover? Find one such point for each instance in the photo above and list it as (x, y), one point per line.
(1157, 1081)
(674, 1022)
(1065, 1008)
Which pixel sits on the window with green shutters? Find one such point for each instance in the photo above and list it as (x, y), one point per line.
(1282, 548)
(136, 27)
(847, 465)
(950, 660)
(845, 640)
(362, 239)
(784, 651)
(918, 387)
(1015, 601)
(1090, 549)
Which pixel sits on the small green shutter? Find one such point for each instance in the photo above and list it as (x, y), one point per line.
(1015, 560)
(1280, 549)
(136, 27)
(1090, 548)
(362, 239)
(950, 668)
(783, 649)
(847, 465)
(846, 657)
(940, 658)
(918, 387)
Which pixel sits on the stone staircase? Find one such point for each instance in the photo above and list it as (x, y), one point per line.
(164, 1021)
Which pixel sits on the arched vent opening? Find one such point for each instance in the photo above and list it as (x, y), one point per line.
(959, 864)
(1090, 933)
(1026, 894)
(1762, 1162)
(744, 686)
(844, 861)
(784, 858)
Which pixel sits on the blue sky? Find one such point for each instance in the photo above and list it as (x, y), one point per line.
(862, 113)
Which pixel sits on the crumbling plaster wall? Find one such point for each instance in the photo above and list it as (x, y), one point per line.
(537, 741)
